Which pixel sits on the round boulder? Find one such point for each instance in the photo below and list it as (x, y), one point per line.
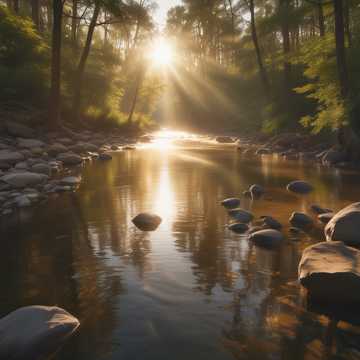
(330, 271)
(300, 187)
(147, 221)
(256, 191)
(267, 237)
(231, 203)
(325, 218)
(344, 225)
(300, 220)
(270, 222)
(69, 159)
(241, 215)
(24, 179)
(238, 228)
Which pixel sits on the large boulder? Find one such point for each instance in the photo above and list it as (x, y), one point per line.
(147, 221)
(69, 158)
(300, 187)
(35, 332)
(19, 130)
(267, 237)
(330, 271)
(10, 157)
(24, 179)
(241, 215)
(344, 225)
(231, 203)
(300, 220)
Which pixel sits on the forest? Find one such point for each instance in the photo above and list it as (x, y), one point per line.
(246, 65)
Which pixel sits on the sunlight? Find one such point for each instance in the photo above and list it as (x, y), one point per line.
(161, 52)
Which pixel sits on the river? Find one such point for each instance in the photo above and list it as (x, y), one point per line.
(191, 289)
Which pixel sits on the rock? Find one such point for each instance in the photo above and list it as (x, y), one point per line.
(22, 201)
(345, 225)
(300, 220)
(22, 165)
(255, 228)
(330, 271)
(24, 179)
(10, 157)
(69, 159)
(263, 151)
(294, 230)
(35, 332)
(241, 215)
(105, 156)
(37, 151)
(247, 194)
(129, 147)
(271, 222)
(30, 143)
(224, 139)
(332, 157)
(71, 180)
(267, 237)
(231, 203)
(238, 228)
(147, 221)
(325, 218)
(19, 130)
(56, 149)
(256, 191)
(319, 210)
(114, 147)
(300, 187)
(4, 166)
(41, 169)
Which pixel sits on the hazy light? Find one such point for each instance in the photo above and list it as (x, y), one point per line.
(161, 52)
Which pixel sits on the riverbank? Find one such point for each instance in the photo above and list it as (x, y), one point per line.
(36, 164)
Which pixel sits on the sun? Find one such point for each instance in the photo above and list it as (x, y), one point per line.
(161, 52)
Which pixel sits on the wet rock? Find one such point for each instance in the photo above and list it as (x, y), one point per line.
(238, 228)
(267, 237)
(294, 230)
(231, 203)
(10, 157)
(224, 139)
(325, 218)
(332, 157)
(129, 147)
(22, 165)
(71, 180)
(270, 222)
(319, 210)
(256, 191)
(255, 228)
(105, 156)
(55, 149)
(30, 143)
(22, 201)
(114, 147)
(147, 221)
(35, 332)
(19, 130)
(263, 151)
(300, 187)
(69, 159)
(330, 271)
(23, 179)
(300, 220)
(344, 226)
(41, 169)
(4, 166)
(247, 194)
(241, 215)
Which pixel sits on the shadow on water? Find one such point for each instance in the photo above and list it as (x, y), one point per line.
(192, 288)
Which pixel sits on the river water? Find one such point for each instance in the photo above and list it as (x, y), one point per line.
(191, 289)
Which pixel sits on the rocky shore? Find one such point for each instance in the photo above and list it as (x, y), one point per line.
(36, 164)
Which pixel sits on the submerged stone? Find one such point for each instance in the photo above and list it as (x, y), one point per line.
(147, 221)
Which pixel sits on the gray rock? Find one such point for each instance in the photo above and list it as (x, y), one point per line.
(70, 159)
(300, 187)
(71, 180)
(55, 149)
(241, 215)
(19, 130)
(41, 169)
(270, 222)
(300, 220)
(30, 143)
(332, 157)
(147, 221)
(267, 237)
(325, 218)
(256, 191)
(24, 179)
(35, 332)
(238, 228)
(22, 165)
(330, 271)
(231, 203)
(10, 157)
(344, 226)
(22, 201)
(319, 210)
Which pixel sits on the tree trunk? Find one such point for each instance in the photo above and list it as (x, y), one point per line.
(35, 13)
(49, 16)
(54, 104)
(340, 48)
(347, 22)
(262, 70)
(74, 21)
(134, 101)
(321, 19)
(16, 6)
(285, 12)
(76, 107)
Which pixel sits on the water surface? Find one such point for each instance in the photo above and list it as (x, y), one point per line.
(191, 289)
